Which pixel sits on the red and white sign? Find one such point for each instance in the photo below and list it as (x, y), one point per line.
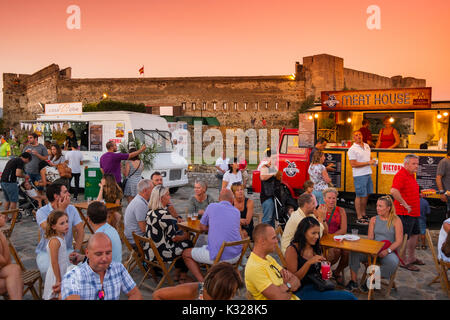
(390, 168)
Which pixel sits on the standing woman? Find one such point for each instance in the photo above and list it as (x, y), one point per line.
(162, 229)
(336, 219)
(318, 175)
(111, 193)
(71, 140)
(232, 175)
(388, 137)
(245, 207)
(133, 174)
(56, 157)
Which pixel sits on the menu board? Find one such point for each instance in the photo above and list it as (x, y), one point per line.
(426, 174)
(305, 131)
(95, 132)
(335, 176)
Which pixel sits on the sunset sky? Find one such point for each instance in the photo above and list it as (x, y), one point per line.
(235, 37)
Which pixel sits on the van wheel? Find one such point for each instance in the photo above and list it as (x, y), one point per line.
(173, 190)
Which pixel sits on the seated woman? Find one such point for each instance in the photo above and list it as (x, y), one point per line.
(386, 227)
(200, 200)
(232, 175)
(303, 258)
(111, 193)
(59, 174)
(444, 238)
(245, 206)
(10, 274)
(221, 283)
(162, 229)
(336, 220)
(56, 157)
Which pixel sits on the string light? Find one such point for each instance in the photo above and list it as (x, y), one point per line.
(310, 117)
(316, 115)
(445, 114)
(439, 115)
(391, 120)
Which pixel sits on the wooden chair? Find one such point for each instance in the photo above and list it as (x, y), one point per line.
(279, 232)
(13, 213)
(132, 260)
(30, 277)
(245, 244)
(441, 266)
(158, 264)
(391, 284)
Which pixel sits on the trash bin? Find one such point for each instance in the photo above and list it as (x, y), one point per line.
(92, 177)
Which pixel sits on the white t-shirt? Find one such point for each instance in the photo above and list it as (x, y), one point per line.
(232, 178)
(223, 164)
(442, 237)
(356, 152)
(74, 157)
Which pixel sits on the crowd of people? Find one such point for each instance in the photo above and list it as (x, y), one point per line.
(95, 272)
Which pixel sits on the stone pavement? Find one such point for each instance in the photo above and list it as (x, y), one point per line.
(410, 285)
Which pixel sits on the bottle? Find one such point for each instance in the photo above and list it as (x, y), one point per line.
(131, 143)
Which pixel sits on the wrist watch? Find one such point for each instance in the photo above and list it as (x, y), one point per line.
(289, 287)
(389, 250)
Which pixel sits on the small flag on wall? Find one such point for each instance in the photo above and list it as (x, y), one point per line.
(141, 70)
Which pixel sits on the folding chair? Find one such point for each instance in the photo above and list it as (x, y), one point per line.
(444, 278)
(441, 266)
(30, 277)
(279, 232)
(132, 259)
(245, 244)
(13, 213)
(159, 264)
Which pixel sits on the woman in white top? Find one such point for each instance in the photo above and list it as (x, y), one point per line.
(232, 175)
(443, 234)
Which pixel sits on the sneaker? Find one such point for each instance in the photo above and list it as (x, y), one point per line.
(351, 286)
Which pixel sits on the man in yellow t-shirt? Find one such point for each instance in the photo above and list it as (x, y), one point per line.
(306, 204)
(265, 279)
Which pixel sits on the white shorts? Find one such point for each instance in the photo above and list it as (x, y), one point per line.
(201, 255)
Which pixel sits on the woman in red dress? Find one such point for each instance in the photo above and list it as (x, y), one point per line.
(388, 137)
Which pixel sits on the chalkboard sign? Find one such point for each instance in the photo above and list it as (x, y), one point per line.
(426, 174)
(335, 176)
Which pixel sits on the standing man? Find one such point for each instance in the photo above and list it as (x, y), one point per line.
(443, 180)
(99, 278)
(366, 134)
(359, 158)
(265, 279)
(320, 146)
(58, 199)
(38, 152)
(13, 169)
(267, 194)
(74, 159)
(222, 167)
(405, 191)
(110, 161)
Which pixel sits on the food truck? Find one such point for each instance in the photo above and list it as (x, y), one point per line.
(421, 124)
(94, 129)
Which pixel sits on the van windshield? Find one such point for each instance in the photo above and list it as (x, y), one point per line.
(160, 138)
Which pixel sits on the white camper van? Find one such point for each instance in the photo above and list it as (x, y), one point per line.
(95, 129)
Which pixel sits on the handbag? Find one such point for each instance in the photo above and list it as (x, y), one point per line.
(319, 283)
(125, 180)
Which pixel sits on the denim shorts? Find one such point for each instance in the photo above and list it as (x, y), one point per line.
(11, 191)
(363, 185)
(422, 224)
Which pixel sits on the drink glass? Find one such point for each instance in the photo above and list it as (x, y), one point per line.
(189, 217)
(325, 269)
(355, 232)
(195, 216)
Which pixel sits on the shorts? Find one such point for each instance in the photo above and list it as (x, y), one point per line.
(11, 191)
(410, 225)
(422, 224)
(363, 185)
(201, 255)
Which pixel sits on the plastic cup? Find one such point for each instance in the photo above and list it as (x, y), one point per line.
(325, 269)
(195, 216)
(355, 232)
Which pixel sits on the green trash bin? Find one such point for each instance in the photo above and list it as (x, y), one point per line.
(92, 177)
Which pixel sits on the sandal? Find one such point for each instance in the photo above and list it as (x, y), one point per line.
(418, 262)
(417, 247)
(362, 221)
(410, 267)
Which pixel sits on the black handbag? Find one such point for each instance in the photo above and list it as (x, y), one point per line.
(319, 283)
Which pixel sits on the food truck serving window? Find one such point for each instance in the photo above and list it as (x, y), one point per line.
(290, 145)
(160, 138)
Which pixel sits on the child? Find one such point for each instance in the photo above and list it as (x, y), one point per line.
(57, 227)
(424, 211)
(32, 193)
(308, 186)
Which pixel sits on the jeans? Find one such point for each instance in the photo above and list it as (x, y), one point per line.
(77, 183)
(268, 207)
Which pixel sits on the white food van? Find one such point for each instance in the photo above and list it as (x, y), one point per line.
(95, 129)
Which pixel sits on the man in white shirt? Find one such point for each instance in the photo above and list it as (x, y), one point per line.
(74, 159)
(359, 157)
(222, 167)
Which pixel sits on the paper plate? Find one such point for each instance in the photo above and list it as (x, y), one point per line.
(339, 238)
(351, 237)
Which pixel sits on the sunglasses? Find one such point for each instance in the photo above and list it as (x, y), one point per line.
(277, 272)
(101, 294)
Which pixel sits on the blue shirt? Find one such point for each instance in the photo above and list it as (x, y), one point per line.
(424, 208)
(41, 216)
(113, 235)
(84, 282)
(135, 212)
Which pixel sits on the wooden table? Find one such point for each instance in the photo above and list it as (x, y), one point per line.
(193, 227)
(369, 247)
(84, 205)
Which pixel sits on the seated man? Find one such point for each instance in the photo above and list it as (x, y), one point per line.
(265, 279)
(99, 278)
(10, 274)
(306, 205)
(59, 199)
(97, 214)
(223, 223)
(136, 212)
